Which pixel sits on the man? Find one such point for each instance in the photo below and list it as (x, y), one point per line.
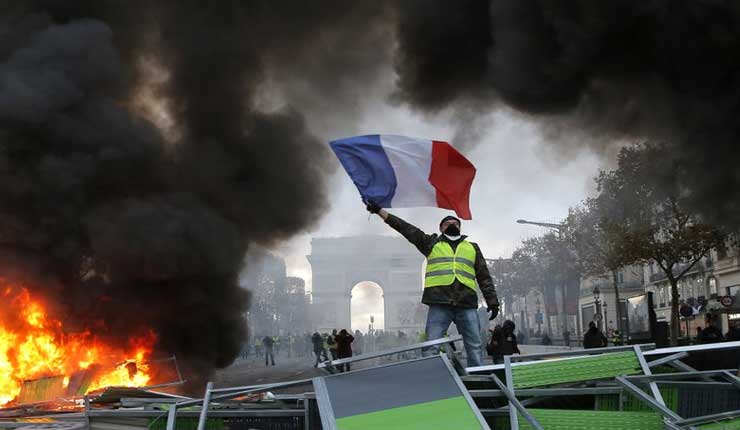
(593, 338)
(332, 342)
(710, 333)
(454, 267)
(267, 341)
(503, 342)
(318, 348)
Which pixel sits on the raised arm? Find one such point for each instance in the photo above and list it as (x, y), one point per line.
(422, 241)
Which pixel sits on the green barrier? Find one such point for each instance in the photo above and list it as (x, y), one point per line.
(602, 366)
(610, 402)
(568, 419)
(186, 423)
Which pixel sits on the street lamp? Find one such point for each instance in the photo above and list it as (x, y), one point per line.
(558, 227)
(597, 302)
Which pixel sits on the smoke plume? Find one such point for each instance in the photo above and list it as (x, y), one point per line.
(135, 168)
(592, 73)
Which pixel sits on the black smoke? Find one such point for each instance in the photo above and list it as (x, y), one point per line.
(127, 226)
(593, 73)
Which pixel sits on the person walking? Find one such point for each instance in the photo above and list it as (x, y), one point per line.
(267, 342)
(318, 348)
(503, 342)
(594, 338)
(344, 348)
(454, 267)
(566, 338)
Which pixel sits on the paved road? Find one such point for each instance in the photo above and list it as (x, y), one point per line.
(253, 372)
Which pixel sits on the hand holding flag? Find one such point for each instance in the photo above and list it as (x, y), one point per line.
(399, 171)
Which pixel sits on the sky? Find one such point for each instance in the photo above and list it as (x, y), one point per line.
(519, 175)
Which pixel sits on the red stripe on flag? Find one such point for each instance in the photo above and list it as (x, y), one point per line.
(451, 175)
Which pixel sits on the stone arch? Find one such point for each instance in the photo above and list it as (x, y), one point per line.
(353, 289)
(338, 264)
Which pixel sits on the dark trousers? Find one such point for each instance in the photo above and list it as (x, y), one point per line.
(319, 355)
(268, 354)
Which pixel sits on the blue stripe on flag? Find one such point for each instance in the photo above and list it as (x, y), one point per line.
(367, 164)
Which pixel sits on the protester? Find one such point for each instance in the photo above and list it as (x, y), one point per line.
(546, 341)
(318, 348)
(521, 337)
(268, 343)
(710, 333)
(566, 338)
(344, 348)
(332, 342)
(594, 338)
(733, 333)
(503, 342)
(454, 267)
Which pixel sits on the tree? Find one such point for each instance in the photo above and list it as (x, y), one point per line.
(596, 230)
(543, 264)
(640, 206)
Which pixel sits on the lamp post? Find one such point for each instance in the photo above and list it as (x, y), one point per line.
(538, 316)
(597, 302)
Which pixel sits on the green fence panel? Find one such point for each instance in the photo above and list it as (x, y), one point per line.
(602, 366)
(610, 402)
(569, 419)
(186, 423)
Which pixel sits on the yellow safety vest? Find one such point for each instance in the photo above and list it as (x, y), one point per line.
(445, 265)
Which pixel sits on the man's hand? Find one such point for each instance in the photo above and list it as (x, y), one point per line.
(493, 308)
(372, 207)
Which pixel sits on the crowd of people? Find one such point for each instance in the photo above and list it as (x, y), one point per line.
(319, 347)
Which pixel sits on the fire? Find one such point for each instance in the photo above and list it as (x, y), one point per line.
(34, 345)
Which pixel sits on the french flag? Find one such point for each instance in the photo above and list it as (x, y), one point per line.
(400, 172)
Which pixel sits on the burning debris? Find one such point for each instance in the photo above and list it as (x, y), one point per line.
(35, 346)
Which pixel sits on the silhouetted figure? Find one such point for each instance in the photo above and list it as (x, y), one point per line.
(522, 337)
(594, 338)
(710, 334)
(267, 343)
(344, 348)
(318, 348)
(733, 334)
(332, 342)
(503, 342)
(566, 338)
(546, 341)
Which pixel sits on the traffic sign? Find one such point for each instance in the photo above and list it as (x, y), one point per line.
(727, 301)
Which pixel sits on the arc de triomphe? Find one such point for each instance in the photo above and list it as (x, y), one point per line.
(338, 264)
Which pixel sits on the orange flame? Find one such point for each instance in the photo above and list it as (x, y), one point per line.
(34, 345)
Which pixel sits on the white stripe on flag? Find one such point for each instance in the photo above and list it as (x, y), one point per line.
(411, 160)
